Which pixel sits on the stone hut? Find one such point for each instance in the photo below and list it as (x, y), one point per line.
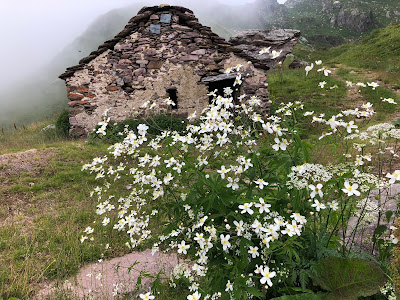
(165, 52)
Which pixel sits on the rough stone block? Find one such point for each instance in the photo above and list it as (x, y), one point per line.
(112, 88)
(199, 52)
(190, 58)
(82, 89)
(140, 71)
(155, 64)
(74, 96)
(155, 28)
(165, 18)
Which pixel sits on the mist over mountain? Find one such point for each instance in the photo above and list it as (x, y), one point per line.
(34, 97)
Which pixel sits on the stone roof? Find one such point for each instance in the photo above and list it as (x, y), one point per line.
(246, 44)
(187, 18)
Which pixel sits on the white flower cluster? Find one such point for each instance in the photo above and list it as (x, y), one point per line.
(304, 175)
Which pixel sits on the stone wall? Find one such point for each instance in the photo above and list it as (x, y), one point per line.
(166, 48)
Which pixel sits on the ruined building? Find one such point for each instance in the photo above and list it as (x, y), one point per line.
(165, 52)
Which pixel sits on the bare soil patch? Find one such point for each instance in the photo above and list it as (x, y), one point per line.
(13, 205)
(26, 161)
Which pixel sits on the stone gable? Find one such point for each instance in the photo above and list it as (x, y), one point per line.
(163, 52)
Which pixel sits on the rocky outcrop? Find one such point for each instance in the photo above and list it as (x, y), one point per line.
(353, 19)
(251, 41)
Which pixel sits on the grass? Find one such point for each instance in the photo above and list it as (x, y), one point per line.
(32, 136)
(293, 85)
(43, 212)
(40, 238)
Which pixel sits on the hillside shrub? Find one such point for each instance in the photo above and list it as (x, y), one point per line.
(156, 122)
(239, 196)
(62, 123)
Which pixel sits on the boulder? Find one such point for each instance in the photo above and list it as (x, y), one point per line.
(250, 42)
(297, 64)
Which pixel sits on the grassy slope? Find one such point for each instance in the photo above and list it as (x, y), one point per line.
(378, 52)
(43, 212)
(376, 58)
(310, 17)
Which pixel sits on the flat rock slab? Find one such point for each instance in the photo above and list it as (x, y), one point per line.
(113, 273)
(389, 202)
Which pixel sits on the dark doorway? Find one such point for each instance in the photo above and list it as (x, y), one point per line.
(173, 95)
(219, 85)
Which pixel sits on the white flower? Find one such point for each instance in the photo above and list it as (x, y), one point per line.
(309, 68)
(299, 218)
(253, 251)
(393, 177)
(275, 54)
(325, 70)
(106, 221)
(333, 205)
(142, 129)
(332, 122)
(318, 62)
(322, 84)
(280, 144)
(233, 183)
(146, 296)
(389, 100)
(225, 241)
(262, 206)
(229, 286)
(261, 183)
(316, 190)
(349, 126)
(239, 227)
(182, 247)
(318, 205)
(374, 85)
(350, 190)
(361, 84)
(264, 50)
(195, 296)
(266, 276)
(223, 171)
(246, 208)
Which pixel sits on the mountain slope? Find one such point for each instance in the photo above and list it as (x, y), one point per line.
(332, 22)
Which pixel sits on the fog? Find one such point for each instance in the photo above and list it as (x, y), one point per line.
(34, 32)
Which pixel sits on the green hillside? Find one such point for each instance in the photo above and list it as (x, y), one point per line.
(330, 22)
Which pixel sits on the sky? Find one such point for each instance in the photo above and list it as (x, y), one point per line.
(33, 32)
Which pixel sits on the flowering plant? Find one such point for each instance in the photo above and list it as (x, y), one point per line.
(238, 195)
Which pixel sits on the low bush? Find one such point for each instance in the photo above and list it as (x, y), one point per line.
(62, 123)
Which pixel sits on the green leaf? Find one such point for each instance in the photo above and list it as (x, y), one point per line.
(389, 215)
(348, 278)
(380, 230)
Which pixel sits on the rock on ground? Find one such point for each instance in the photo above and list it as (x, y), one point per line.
(113, 273)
